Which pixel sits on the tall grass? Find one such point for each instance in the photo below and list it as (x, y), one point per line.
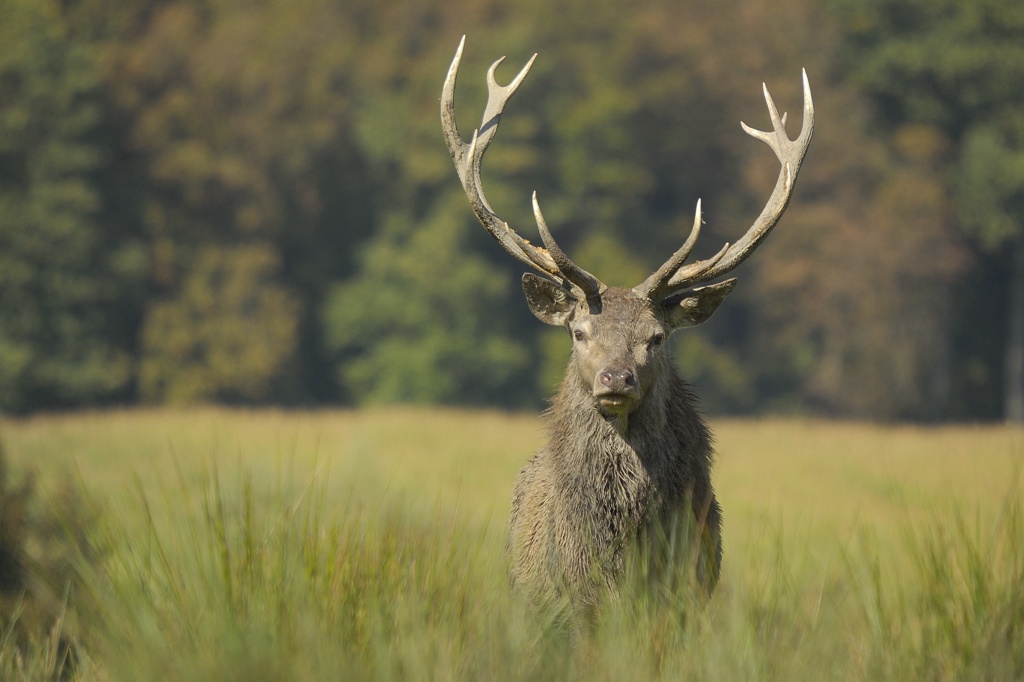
(306, 565)
(282, 588)
(959, 614)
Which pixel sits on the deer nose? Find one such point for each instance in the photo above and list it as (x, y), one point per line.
(617, 379)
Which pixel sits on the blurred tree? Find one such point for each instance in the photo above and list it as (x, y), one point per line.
(423, 321)
(227, 335)
(958, 67)
(861, 280)
(426, 314)
(266, 211)
(63, 277)
(236, 115)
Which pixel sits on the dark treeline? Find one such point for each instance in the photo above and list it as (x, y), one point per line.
(249, 201)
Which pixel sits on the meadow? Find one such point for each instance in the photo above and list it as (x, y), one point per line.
(275, 545)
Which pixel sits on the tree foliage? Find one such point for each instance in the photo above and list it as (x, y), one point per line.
(421, 322)
(956, 68)
(250, 200)
(63, 279)
(227, 335)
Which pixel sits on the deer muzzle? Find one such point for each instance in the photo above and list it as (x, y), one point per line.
(616, 390)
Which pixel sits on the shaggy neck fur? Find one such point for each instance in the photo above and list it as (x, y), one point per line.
(598, 485)
(613, 476)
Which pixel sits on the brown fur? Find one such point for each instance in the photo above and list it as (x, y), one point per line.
(602, 481)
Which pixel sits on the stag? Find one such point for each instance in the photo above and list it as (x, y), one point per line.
(628, 453)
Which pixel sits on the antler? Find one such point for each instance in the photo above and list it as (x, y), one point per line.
(673, 276)
(551, 261)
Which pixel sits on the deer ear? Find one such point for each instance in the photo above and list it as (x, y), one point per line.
(690, 308)
(548, 301)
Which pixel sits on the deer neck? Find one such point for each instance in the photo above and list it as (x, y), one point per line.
(581, 435)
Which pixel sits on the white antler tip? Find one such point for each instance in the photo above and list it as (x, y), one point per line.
(494, 67)
(537, 214)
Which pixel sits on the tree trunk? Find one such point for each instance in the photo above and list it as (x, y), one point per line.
(1014, 378)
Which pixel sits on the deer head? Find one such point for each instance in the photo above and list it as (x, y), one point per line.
(618, 333)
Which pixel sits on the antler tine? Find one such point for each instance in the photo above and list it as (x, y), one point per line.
(468, 160)
(696, 271)
(468, 157)
(509, 239)
(652, 285)
(790, 154)
(456, 147)
(497, 98)
(587, 283)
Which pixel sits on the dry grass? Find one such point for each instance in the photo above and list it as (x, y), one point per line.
(853, 551)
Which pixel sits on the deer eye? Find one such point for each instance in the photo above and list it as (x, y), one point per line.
(579, 335)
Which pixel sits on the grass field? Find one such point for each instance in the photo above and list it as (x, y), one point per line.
(269, 545)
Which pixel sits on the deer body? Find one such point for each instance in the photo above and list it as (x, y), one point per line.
(628, 460)
(627, 448)
(594, 486)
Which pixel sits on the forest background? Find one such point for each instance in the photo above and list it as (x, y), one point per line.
(250, 201)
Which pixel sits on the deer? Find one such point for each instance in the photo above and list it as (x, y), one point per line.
(629, 455)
